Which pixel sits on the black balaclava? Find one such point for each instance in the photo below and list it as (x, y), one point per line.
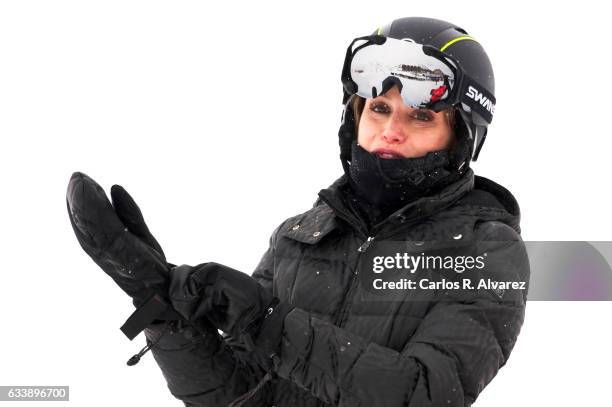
(383, 186)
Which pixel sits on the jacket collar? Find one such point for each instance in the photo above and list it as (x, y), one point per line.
(422, 207)
(470, 195)
(311, 226)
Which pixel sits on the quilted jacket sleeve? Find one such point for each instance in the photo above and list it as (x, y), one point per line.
(265, 269)
(203, 370)
(456, 351)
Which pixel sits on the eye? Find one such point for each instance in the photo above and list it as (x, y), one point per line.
(379, 108)
(423, 115)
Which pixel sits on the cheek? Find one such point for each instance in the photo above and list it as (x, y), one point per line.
(423, 141)
(366, 133)
(445, 138)
(432, 142)
(437, 137)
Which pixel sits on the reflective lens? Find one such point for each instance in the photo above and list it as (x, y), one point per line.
(423, 79)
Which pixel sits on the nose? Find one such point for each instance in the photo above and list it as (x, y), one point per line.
(393, 132)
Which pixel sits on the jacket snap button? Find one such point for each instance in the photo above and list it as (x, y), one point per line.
(457, 237)
(315, 234)
(296, 227)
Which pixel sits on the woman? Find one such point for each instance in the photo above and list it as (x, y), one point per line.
(304, 330)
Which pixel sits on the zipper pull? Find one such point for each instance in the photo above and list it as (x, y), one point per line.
(365, 244)
(136, 358)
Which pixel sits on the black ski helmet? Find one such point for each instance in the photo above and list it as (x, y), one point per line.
(453, 41)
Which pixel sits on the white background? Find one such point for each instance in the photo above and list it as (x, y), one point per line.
(221, 120)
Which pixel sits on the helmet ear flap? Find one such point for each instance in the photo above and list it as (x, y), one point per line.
(346, 133)
(461, 151)
(480, 143)
(474, 128)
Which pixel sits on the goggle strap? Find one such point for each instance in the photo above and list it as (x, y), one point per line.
(478, 99)
(346, 75)
(349, 86)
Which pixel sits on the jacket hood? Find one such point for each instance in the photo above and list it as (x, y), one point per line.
(490, 201)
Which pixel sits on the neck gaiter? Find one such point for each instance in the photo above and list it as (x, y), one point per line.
(383, 186)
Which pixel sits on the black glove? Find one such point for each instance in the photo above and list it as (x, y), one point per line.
(118, 240)
(234, 302)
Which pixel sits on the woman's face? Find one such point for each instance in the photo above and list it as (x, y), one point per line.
(391, 129)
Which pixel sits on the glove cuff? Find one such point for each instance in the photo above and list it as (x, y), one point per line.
(177, 335)
(144, 315)
(268, 339)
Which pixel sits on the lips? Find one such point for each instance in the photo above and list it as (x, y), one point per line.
(386, 153)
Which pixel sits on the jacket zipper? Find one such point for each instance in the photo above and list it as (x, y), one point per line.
(349, 294)
(364, 246)
(339, 321)
(348, 298)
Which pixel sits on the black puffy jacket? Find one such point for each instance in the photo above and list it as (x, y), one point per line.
(340, 349)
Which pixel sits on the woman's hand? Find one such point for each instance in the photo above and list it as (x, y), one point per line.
(234, 302)
(117, 238)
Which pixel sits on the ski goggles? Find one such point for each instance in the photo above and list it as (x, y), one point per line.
(426, 77)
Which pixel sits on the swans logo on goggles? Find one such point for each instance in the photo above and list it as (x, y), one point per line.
(481, 98)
